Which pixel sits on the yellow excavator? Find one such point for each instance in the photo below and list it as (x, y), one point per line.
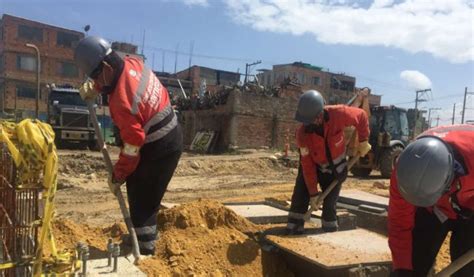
(389, 134)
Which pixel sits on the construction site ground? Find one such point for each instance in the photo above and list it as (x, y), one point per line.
(201, 237)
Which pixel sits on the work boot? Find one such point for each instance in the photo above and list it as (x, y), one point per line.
(127, 242)
(329, 226)
(293, 229)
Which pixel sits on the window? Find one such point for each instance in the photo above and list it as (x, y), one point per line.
(26, 91)
(26, 63)
(317, 81)
(68, 69)
(30, 33)
(66, 39)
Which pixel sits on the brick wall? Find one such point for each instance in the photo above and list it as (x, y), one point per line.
(52, 55)
(246, 121)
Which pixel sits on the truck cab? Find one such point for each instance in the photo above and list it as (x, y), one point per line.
(69, 117)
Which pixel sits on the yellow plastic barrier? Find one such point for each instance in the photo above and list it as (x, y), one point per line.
(31, 145)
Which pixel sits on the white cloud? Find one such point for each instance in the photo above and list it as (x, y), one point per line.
(442, 28)
(415, 79)
(203, 3)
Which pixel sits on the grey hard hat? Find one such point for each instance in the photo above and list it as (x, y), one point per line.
(90, 52)
(310, 105)
(425, 171)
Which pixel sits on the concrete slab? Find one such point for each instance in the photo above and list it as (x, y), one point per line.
(125, 267)
(344, 249)
(357, 197)
(259, 213)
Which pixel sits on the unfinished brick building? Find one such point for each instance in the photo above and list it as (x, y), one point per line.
(247, 120)
(18, 63)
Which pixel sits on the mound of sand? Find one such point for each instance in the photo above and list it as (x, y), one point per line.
(201, 238)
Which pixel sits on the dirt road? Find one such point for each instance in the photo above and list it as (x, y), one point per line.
(83, 194)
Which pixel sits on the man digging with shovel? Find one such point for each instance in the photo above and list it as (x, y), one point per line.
(432, 194)
(152, 139)
(322, 157)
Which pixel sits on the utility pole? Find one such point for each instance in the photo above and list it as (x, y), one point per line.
(419, 94)
(191, 48)
(163, 61)
(454, 114)
(247, 69)
(429, 114)
(176, 58)
(437, 121)
(464, 104)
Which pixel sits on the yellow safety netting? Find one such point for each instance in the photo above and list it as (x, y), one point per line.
(31, 145)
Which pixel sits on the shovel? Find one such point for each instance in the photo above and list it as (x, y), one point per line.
(108, 164)
(325, 193)
(457, 264)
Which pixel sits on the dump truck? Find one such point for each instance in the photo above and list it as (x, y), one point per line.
(389, 135)
(69, 117)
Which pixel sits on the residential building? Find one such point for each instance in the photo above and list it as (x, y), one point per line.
(205, 79)
(18, 63)
(336, 87)
(125, 49)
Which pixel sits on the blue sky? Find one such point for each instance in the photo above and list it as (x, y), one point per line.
(374, 41)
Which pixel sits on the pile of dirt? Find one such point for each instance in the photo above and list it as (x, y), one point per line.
(231, 166)
(81, 163)
(201, 238)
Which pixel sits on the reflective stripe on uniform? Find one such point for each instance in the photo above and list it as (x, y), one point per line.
(334, 161)
(295, 215)
(340, 168)
(157, 118)
(147, 230)
(150, 245)
(130, 150)
(137, 97)
(329, 224)
(163, 131)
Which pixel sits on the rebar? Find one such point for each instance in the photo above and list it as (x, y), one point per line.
(110, 250)
(18, 212)
(116, 254)
(84, 257)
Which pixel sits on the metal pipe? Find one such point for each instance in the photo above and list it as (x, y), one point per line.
(38, 69)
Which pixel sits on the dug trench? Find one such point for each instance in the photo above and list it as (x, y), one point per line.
(199, 237)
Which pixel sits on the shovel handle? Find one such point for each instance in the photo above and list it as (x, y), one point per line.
(325, 193)
(108, 163)
(457, 264)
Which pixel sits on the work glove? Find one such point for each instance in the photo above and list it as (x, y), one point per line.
(363, 148)
(114, 185)
(87, 91)
(315, 201)
(402, 273)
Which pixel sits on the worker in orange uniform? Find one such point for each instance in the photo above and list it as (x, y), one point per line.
(322, 148)
(152, 138)
(431, 194)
